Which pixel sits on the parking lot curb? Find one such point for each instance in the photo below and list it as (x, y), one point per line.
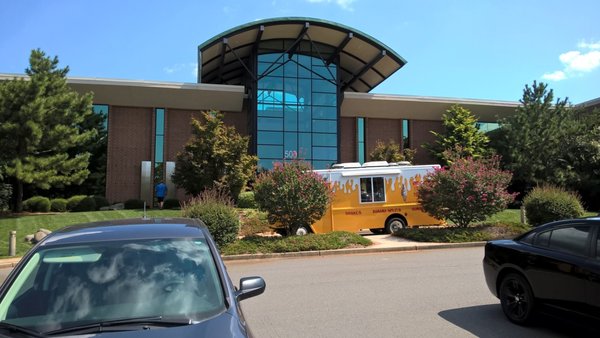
(11, 262)
(409, 247)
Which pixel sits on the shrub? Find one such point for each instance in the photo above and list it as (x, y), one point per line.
(253, 222)
(86, 204)
(58, 205)
(100, 201)
(293, 195)
(469, 191)
(5, 195)
(549, 203)
(246, 200)
(216, 210)
(134, 204)
(171, 203)
(73, 201)
(37, 204)
(391, 152)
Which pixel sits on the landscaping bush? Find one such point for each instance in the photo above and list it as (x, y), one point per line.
(134, 204)
(73, 201)
(246, 200)
(253, 222)
(58, 205)
(293, 195)
(86, 204)
(37, 204)
(171, 203)
(549, 203)
(100, 201)
(5, 195)
(469, 191)
(216, 210)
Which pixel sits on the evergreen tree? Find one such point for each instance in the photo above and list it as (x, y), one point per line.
(535, 141)
(42, 121)
(461, 133)
(215, 156)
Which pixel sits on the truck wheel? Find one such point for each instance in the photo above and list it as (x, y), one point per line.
(394, 224)
(301, 231)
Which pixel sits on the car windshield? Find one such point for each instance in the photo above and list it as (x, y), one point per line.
(103, 281)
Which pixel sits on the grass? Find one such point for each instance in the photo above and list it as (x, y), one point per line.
(26, 224)
(311, 242)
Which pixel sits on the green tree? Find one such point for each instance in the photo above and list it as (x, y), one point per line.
(460, 132)
(536, 143)
(469, 191)
(293, 195)
(391, 152)
(215, 156)
(42, 121)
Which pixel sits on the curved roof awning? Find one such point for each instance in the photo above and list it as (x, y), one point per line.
(364, 62)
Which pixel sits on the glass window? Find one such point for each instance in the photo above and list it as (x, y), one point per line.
(159, 118)
(542, 239)
(267, 123)
(324, 126)
(270, 137)
(360, 130)
(571, 240)
(325, 153)
(289, 123)
(372, 189)
(324, 139)
(266, 151)
(324, 99)
(325, 113)
(102, 109)
(405, 134)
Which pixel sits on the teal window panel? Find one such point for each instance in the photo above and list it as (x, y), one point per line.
(290, 69)
(324, 153)
(304, 121)
(271, 83)
(270, 110)
(322, 164)
(324, 99)
(272, 57)
(159, 149)
(324, 126)
(290, 119)
(160, 121)
(267, 163)
(328, 73)
(324, 113)
(305, 145)
(323, 86)
(270, 137)
(319, 139)
(270, 124)
(269, 151)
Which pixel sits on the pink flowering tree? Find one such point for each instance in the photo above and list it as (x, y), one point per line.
(293, 195)
(469, 191)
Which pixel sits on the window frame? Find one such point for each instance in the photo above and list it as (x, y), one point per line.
(372, 186)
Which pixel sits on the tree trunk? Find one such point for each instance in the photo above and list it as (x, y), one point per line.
(18, 196)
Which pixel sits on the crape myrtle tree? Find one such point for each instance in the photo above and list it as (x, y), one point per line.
(42, 121)
(215, 156)
(460, 132)
(293, 195)
(468, 191)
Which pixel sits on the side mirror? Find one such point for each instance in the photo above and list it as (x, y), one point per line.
(250, 287)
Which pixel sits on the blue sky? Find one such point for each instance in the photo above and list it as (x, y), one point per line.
(480, 49)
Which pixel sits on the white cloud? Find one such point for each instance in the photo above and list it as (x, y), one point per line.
(345, 4)
(577, 62)
(555, 76)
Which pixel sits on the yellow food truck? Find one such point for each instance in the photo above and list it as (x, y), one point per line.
(378, 196)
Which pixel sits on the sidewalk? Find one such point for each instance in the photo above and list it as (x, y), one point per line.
(381, 243)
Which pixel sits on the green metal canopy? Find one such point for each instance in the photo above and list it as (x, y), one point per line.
(363, 62)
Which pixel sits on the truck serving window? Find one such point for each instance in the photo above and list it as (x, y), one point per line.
(372, 189)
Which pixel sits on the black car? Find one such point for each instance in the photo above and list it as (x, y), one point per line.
(126, 278)
(553, 266)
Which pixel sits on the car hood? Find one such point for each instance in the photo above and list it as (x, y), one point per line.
(223, 325)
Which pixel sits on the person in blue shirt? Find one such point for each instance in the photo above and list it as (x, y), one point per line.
(160, 191)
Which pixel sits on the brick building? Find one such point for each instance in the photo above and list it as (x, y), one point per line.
(298, 86)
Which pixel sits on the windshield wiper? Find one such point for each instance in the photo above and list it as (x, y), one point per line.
(20, 329)
(99, 326)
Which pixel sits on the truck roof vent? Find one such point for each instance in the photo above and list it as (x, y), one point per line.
(375, 164)
(346, 165)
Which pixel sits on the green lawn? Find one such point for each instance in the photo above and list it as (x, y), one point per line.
(29, 224)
